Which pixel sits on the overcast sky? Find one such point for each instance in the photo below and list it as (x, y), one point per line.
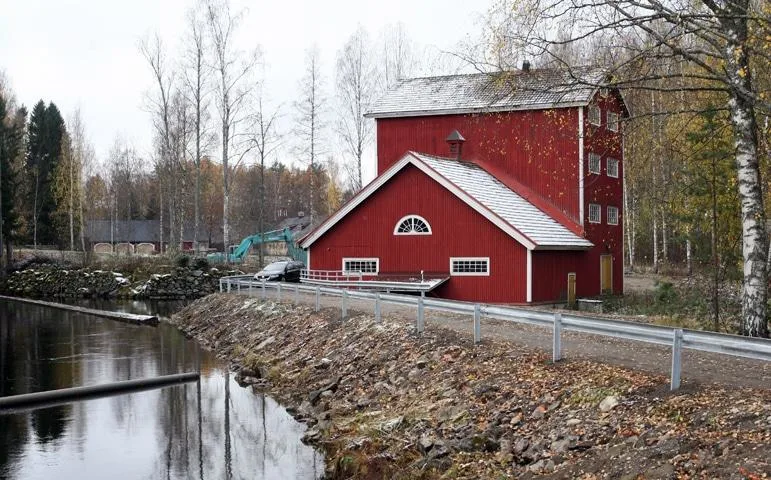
(83, 53)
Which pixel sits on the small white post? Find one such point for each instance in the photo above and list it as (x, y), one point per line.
(477, 323)
(238, 286)
(250, 288)
(345, 304)
(318, 298)
(263, 289)
(228, 285)
(419, 327)
(378, 318)
(296, 294)
(677, 366)
(556, 351)
(221, 287)
(279, 291)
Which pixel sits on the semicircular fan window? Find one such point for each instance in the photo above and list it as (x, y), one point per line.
(412, 225)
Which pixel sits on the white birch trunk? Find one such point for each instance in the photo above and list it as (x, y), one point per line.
(755, 241)
(655, 244)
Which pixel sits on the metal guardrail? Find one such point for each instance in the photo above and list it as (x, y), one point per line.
(678, 338)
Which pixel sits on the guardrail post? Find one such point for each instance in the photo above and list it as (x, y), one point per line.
(556, 350)
(228, 285)
(378, 318)
(221, 287)
(296, 294)
(238, 287)
(677, 365)
(250, 288)
(477, 323)
(263, 289)
(345, 304)
(318, 298)
(279, 291)
(420, 323)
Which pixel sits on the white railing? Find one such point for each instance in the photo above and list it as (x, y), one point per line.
(734, 345)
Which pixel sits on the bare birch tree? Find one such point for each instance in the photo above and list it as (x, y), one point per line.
(160, 109)
(356, 86)
(720, 41)
(197, 90)
(309, 123)
(399, 59)
(266, 140)
(233, 69)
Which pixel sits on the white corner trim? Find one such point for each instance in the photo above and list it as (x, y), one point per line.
(529, 276)
(361, 259)
(417, 217)
(308, 258)
(470, 259)
(581, 165)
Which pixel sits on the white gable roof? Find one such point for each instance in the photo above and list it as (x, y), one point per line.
(489, 92)
(512, 213)
(543, 230)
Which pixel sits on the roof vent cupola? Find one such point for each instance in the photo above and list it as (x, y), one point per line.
(455, 141)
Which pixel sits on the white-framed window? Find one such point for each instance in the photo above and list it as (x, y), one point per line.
(595, 117)
(595, 163)
(412, 225)
(361, 265)
(470, 266)
(612, 167)
(613, 121)
(595, 213)
(612, 215)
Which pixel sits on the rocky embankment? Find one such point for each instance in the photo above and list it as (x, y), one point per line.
(383, 403)
(57, 282)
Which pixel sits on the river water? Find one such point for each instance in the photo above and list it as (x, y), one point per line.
(208, 429)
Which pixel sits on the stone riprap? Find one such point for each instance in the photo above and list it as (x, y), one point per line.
(55, 282)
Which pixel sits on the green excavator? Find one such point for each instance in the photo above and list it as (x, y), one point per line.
(241, 251)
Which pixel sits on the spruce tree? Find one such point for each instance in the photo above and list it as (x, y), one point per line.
(44, 150)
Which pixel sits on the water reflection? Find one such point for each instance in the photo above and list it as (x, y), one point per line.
(209, 429)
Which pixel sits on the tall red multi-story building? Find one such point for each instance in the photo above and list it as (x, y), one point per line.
(510, 185)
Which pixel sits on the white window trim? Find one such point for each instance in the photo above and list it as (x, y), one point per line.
(470, 259)
(361, 259)
(607, 166)
(613, 125)
(608, 215)
(418, 217)
(599, 115)
(599, 163)
(599, 209)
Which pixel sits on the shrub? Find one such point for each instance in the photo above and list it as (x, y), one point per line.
(182, 260)
(200, 263)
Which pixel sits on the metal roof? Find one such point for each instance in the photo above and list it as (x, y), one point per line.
(538, 226)
(489, 92)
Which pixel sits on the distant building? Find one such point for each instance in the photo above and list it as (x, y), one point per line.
(100, 233)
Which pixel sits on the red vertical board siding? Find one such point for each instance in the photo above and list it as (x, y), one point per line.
(457, 231)
(550, 271)
(538, 148)
(605, 191)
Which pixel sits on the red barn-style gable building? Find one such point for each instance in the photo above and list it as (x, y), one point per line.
(510, 185)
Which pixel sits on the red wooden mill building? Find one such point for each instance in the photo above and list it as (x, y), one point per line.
(509, 186)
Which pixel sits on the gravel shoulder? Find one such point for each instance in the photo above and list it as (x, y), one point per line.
(698, 367)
